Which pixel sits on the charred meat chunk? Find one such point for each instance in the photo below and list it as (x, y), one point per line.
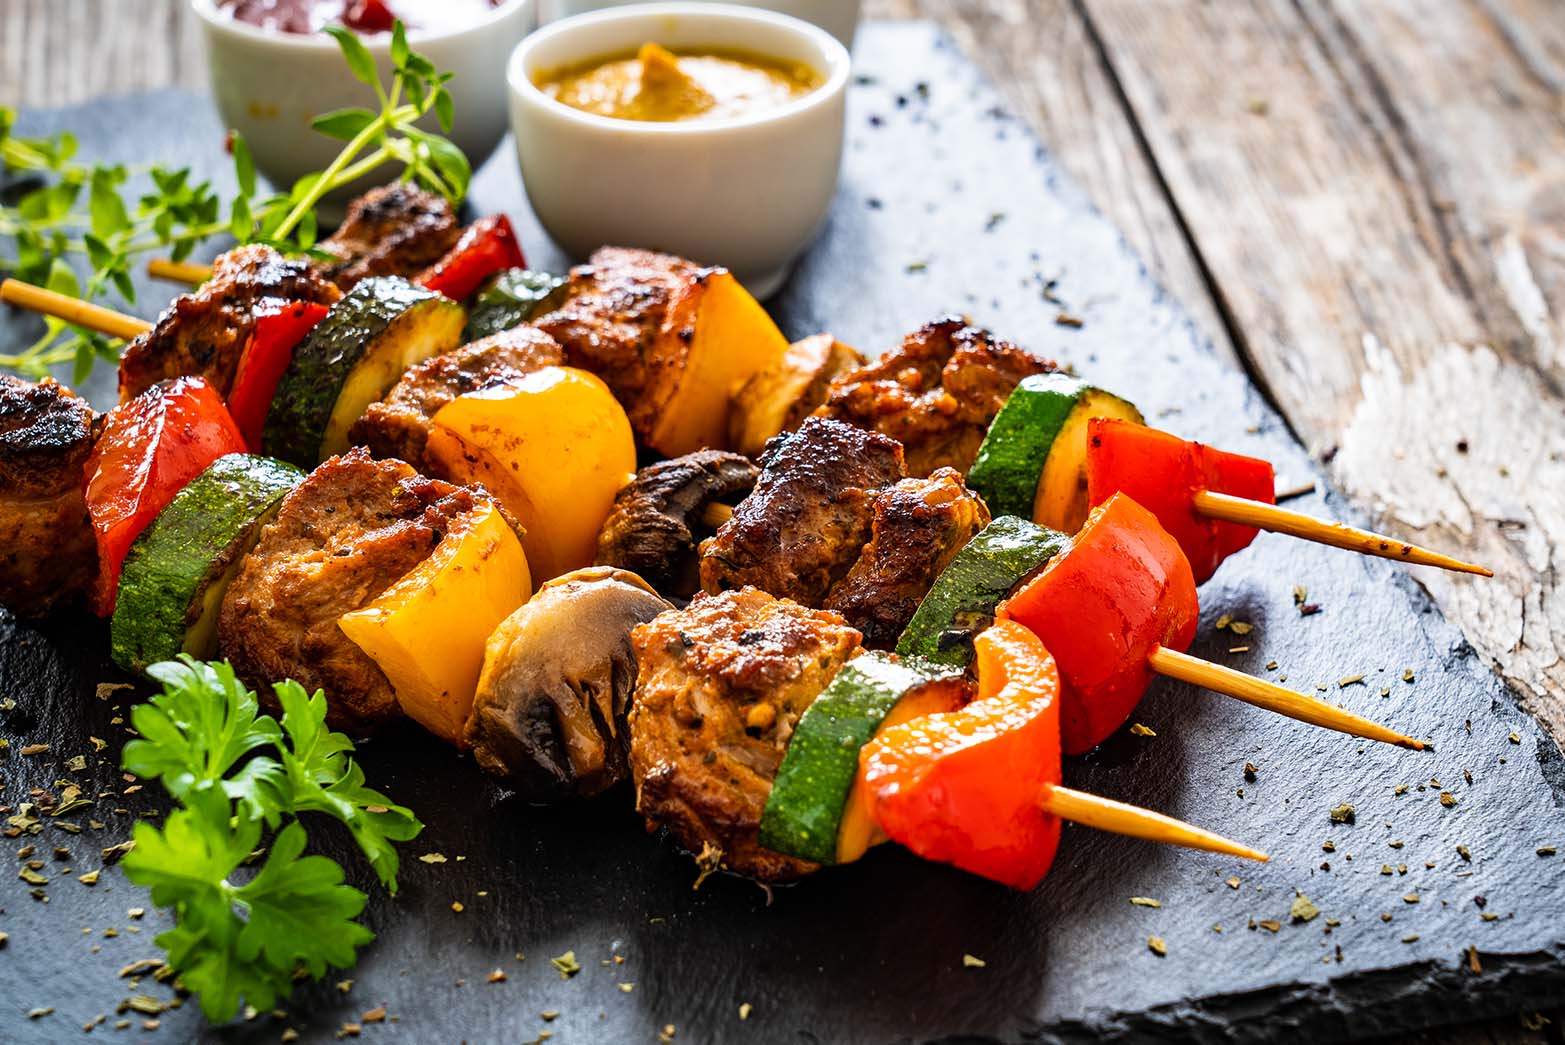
(613, 310)
(935, 393)
(654, 527)
(203, 334)
(399, 425)
(558, 676)
(48, 555)
(809, 517)
(720, 688)
(395, 230)
(920, 525)
(350, 530)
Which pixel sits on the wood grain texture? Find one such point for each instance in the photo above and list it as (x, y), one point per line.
(1378, 190)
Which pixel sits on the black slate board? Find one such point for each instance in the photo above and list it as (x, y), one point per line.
(946, 204)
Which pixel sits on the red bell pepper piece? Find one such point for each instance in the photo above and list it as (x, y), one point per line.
(1123, 588)
(150, 448)
(964, 787)
(1162, 472)
(279, 327)
(488, 246)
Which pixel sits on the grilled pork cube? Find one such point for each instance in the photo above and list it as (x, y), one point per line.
(48, 555)
(613, 311)
(935, 393)
(203, 334)
(399, 425)
(920, 525)
(810, 515)
(395, 230)
(350, 530)
(720, 687)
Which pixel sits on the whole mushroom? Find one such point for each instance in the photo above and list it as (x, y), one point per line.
(549, 718)
(659, 519)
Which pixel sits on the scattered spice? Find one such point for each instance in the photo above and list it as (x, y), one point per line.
(1157, 946)
(1145, 901)
(1447, 799)
(744, 1010)
(567, 965)
(1473, 964)
(456, 905)
(1343, 813)
(1545, 850)
(433, 858)
(1407, 674)
(1270, 926)
(1410, 938)
(1303, 909)
(31, 750)
(1142, 731)
(498, 976)
(972, 962)
(707, 863)
(1351, 680)
(1232, 883)
(1410, 898)
(1250, 769)
(90, 878)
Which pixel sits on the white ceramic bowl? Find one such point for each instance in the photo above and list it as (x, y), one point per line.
(747, 193)
(269, 85)
(840, 18)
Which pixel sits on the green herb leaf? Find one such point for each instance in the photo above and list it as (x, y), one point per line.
(360, 62)
(343, 124)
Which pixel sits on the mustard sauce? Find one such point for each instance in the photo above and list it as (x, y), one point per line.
(657, 85)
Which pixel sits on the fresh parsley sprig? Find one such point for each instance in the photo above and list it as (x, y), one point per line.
(236, 775)
(65, 210)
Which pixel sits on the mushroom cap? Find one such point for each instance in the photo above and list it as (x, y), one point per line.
(549, 717)
(656, 524)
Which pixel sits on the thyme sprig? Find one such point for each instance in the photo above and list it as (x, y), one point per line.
(62, 212)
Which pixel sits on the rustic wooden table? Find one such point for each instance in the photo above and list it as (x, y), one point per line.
(1362, 202)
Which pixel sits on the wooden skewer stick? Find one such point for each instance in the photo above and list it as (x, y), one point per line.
(1270, 696)
(1264, 516)
(179, 271)
(1105, 814)
(72, 310)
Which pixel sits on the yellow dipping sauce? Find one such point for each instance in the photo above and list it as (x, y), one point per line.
(657, 85)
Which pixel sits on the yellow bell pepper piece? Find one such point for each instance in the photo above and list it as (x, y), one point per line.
(554, 447)
(428, 631)
(716, 337)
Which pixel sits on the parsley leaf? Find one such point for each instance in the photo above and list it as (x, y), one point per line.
(237, 773)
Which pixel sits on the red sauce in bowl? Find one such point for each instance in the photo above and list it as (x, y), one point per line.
(362, 16)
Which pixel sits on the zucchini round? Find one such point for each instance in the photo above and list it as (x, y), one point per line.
(804, 811)
(961, 602)
(1034, 454)
(176, 572)
(351, 359)
(512, 298)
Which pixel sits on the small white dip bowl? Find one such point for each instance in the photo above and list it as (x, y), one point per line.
(269, 85)
(840, 18)
(747, 193)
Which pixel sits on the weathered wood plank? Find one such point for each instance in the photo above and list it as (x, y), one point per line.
(59, 52)
(1377, 189)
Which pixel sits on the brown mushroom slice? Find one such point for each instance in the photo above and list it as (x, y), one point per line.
(660, 518)
(549, 718)
(779, 398)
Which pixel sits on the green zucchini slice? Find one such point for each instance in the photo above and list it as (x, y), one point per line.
(961, 602)
(177, 570)
(512, 298)
(805, 809)
(351, 359)
(1032, 462)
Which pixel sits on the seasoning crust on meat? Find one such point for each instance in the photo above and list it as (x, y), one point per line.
(48, 555)
(350, 530)
(395, 230)
(613, 311)
(399, 425)
(804, 525)
(721, 686)
(204, 333)
(919, 526)
(935, 393)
